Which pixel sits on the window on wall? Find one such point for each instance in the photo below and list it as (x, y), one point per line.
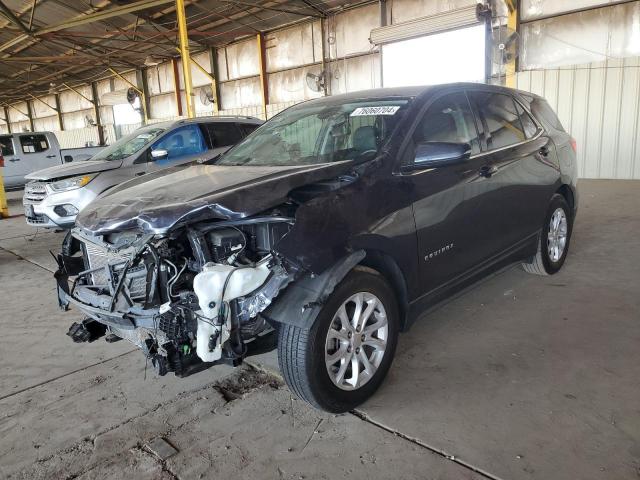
(33, 143)
(453, 56)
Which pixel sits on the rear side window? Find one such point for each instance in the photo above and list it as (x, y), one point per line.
(501, 120)
(247, 128)
(223, 134)
(449, 119)
(541, 109)
(529, 126)
(34, 143)
(6, 146)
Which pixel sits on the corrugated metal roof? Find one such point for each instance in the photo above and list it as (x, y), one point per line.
(31, 60)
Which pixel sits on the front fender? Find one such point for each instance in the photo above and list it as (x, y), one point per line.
(301, 302)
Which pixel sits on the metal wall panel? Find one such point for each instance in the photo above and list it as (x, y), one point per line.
(46, 124)
(70, 101)
(291, 85)
(598, 105)
(533, 9)
(349, 31)
(40, 110)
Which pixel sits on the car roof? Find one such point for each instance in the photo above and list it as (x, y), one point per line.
(406, 92)
(219, 119)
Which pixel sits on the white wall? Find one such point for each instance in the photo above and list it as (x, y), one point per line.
(597, 104)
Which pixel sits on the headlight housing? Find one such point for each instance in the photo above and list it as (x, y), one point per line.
(71, 183)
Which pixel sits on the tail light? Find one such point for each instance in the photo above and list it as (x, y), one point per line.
(574, 145)
(1, 161)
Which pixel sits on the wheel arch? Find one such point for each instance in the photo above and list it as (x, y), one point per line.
(566, 191)
(386, 266)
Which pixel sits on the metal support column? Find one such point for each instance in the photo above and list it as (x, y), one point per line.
(59, 111)
(176, 86)
(323, 51)
(512, 24)
(6, 116)
(213, 56)
(4, 208)
(30, 115)
(141, 79)
(96, 112)
(184, 54)
(264, 86)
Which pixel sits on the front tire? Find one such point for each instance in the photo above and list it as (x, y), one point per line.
(342, 359)
(553, 244)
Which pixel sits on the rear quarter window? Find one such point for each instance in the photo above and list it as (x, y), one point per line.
(223, 134)
(543, 112)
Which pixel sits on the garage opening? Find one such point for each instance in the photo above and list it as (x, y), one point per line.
(453, 56)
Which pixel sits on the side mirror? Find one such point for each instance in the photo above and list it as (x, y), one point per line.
(156, 154)
(438, 154)
(68, 158)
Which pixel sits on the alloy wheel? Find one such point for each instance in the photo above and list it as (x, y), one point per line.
(557, 235)
(356, 341)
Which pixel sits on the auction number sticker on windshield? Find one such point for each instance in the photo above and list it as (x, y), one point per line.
(385, 110)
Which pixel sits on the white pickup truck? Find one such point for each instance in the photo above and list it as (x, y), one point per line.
(28, 152)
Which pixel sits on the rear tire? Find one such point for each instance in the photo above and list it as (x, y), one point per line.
(305, 355)
(553, 243)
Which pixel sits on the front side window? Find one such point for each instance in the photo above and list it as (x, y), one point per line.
(181, 143)
(501, 119)
(223, 134)
(6, 146)
(132, 143)
(33, 143)
(320, 133)
(449, 119)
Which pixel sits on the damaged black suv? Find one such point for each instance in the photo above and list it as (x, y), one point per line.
(335, 224)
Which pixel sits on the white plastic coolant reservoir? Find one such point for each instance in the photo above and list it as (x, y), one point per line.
(208, 285)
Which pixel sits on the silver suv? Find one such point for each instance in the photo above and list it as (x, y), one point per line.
(55, 195)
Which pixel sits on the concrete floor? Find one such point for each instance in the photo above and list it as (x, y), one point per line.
(522, 377)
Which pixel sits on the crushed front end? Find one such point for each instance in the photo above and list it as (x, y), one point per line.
(189, 299)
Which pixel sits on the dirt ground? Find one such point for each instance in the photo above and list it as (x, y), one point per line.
(521, 377)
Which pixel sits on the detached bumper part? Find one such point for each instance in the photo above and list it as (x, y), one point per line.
(87, 331)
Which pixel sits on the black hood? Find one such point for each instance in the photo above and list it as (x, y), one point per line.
(160, 201)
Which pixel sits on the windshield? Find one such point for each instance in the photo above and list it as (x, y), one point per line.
(130, 144)
(311, 134)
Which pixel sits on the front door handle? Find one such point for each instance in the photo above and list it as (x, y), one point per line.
(487, 171)
(140, 173)
(51, 156)
(544, 151)
(14, 159)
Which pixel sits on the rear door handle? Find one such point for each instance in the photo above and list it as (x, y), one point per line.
(14, 159)
(51, 156)
(544, 151)
(487, 171)
(140, 173)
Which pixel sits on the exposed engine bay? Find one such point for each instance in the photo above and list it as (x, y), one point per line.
(188, 299)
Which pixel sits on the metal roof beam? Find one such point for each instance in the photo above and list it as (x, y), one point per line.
(103, 15)
(12, 17)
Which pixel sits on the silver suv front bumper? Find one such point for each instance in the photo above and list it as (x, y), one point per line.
(44, 208)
